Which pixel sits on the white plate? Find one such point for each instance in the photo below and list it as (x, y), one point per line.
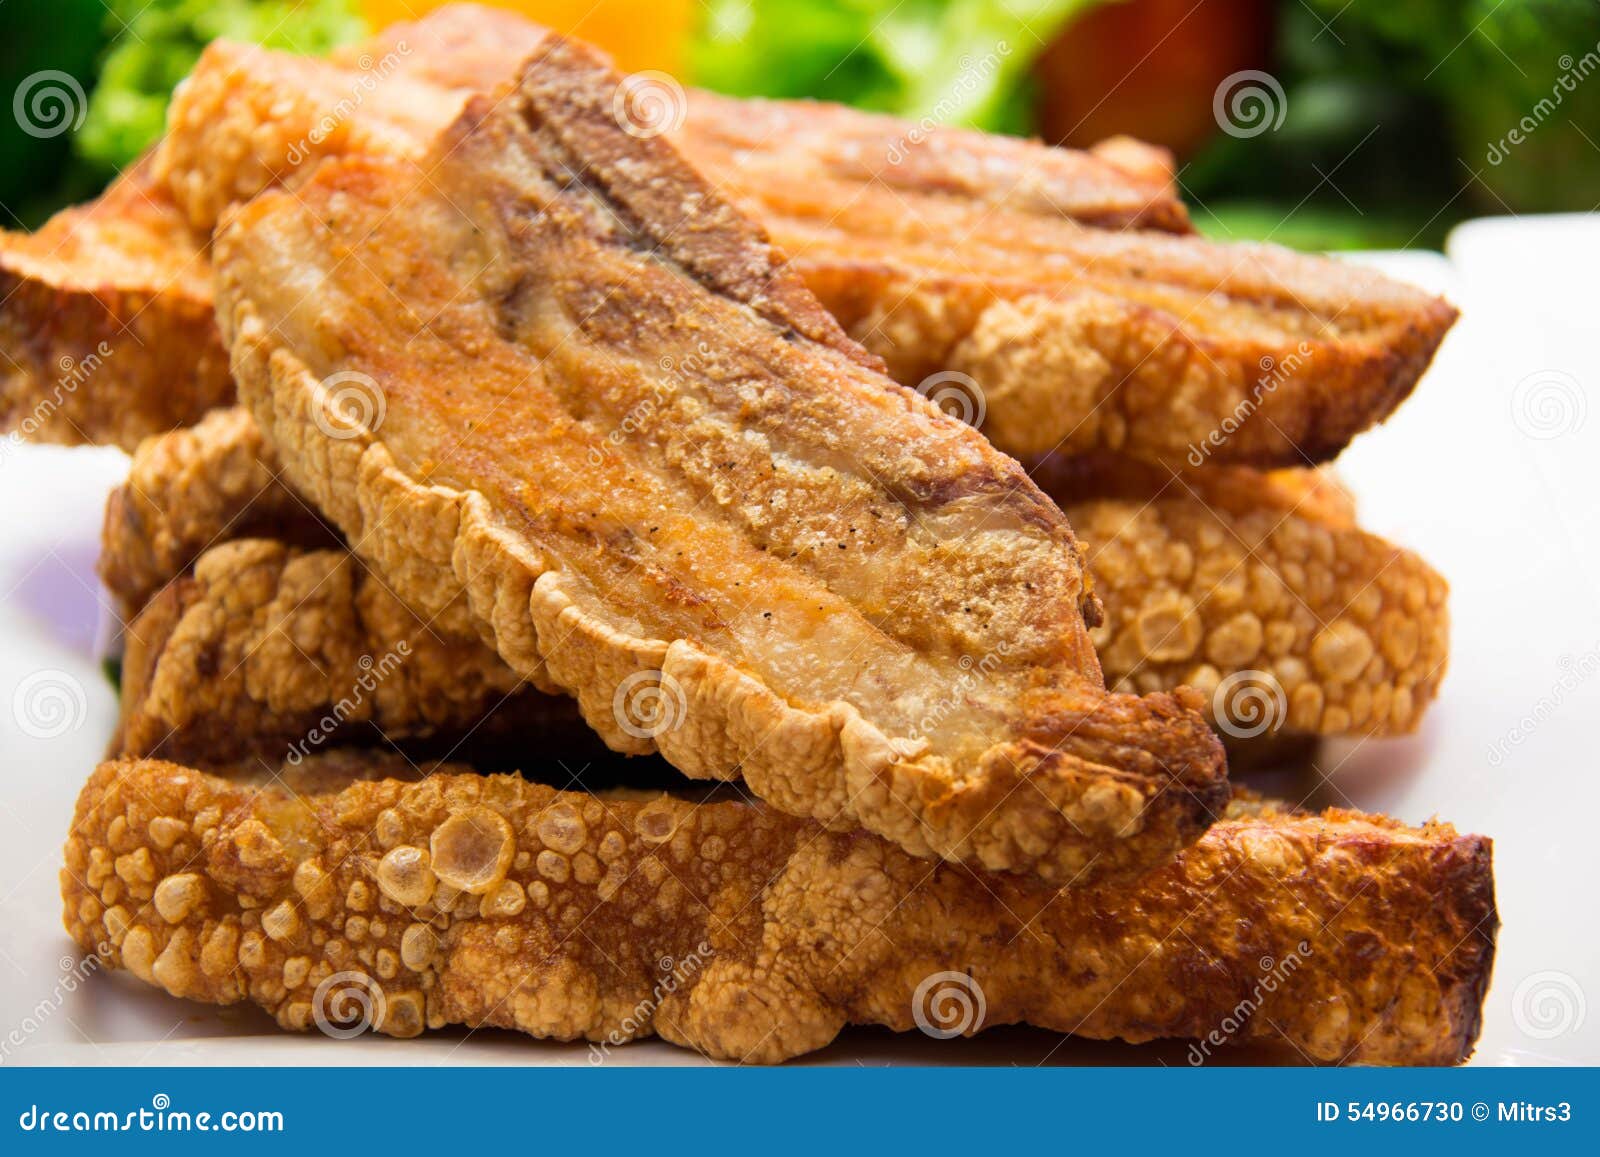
(1494, 482)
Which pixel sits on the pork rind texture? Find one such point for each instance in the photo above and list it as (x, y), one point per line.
(191, 489)
(749, 935)
(268, 649)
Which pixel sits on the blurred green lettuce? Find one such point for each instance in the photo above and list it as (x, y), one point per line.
(961, 62)
(155, 44)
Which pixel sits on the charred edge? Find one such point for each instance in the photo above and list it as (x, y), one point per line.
(1469, 876)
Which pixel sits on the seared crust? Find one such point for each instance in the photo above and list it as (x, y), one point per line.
(268, 651)
(190, 489)
(772, 452)
(1166, 348)
(749, 935)
(1261, 593)
(1159, 346)
(1079, 338)
(106, 326)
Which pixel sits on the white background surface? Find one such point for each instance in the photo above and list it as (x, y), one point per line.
(1491, 471)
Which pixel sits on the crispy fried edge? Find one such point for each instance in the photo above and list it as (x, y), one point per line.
(189, 489)
(748, 935)
(1070, 370)
(86, 358)
(270, 651)
(1260, 592)
(1152, 559)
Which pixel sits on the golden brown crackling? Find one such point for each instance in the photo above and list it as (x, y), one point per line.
(1213, 572)
(1080, 337)
(190, 489)
(106, 326)
(493, 901)
(219, 481)
(1158, 347)
(268, 647)
(789, 500)
(223, 148)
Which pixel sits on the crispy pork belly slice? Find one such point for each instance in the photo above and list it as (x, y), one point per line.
(379, 91)
(1077, 337)
(1223, 579)
(1259, 591)
(268, 651)
(750, 935)
(106, 328)
(963, 254)
(1235, 582)
(191, 489)
(594, 401)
